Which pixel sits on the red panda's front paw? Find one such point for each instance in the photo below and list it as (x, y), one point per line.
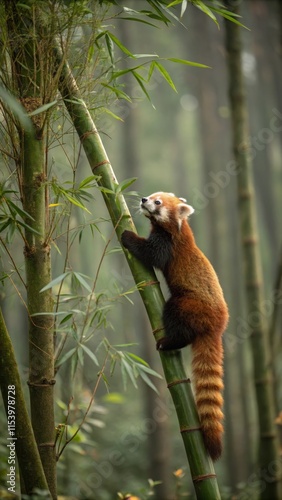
(127, 238)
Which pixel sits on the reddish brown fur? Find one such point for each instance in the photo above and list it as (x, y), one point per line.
(192, 270)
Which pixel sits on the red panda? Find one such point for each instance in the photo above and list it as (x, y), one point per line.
(196, 312)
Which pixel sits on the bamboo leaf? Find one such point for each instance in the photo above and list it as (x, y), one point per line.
(5, 224)
(160, 15)
(89, 181)
(129, 371)
(125, 345)
(66, 318)
(109, 112)
(183, 7)
(49, 313)
(132, 12)
(172, 4)
(151, 70)
(82, 281)
(19, 210)
(80, 355)
(177, 2)
(74, 363)
(139, 21)
(54, 282)
(105, 190)
(148, 381)
(110, 47)
(66, 356)
(165, 74)
(204, 8)
(230, 16)
(120, 45)
(188, 63)
(140, 56)
(26, 226)
(43, 108)
(11, 230)
(149, 370)
(125, 184)
(138, 78)
(119, 93)
(74, 201)
(117, 74)
(90, 354)
(136, 358)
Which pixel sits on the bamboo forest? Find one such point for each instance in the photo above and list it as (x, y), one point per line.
(121, 376)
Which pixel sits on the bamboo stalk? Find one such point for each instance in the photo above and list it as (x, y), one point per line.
(268, 454)
(25, 63)
(31, 469)
(201, 466)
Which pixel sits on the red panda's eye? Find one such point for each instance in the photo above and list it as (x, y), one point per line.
(157, 202)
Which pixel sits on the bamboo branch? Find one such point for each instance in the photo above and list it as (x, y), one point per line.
(201, 466)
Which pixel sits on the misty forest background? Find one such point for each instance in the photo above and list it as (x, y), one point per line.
(172, 141)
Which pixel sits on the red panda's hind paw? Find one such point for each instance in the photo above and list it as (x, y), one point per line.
(160, 344)
(169, 344)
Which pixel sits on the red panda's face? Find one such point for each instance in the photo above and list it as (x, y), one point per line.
(165, 207)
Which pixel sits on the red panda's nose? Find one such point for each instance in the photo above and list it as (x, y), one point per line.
(144, 200)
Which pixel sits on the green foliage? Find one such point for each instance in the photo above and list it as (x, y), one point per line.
(12, 217)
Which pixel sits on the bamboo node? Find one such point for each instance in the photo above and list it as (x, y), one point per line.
(197, 479)
(105, 162)
(87, 134)
(253, 284)
(261, 381)
(29, 250)
(46, 445)
(150, 283)
(43, 383)
(245, 195)
(157, 330)
(267, 435)
(183, 430)
(250, 240)
(181, 381)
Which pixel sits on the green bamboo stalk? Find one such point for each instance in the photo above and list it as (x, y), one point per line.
(201, 466)
(268, 454)
(25, 63)
(28, 456)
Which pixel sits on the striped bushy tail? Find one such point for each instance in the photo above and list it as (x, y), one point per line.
(207, 380)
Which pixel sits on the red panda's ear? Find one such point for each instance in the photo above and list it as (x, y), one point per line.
(185, 210)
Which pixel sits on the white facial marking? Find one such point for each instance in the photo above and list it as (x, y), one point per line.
(163, 215)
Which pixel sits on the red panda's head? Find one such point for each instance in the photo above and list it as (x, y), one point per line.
(165, 208)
